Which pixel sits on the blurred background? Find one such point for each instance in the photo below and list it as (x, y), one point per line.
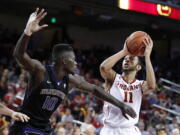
(96, 29)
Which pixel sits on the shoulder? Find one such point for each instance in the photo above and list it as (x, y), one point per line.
(35, 68)
(38, 73)
(118, 77)
(140, 81)
(109, 84)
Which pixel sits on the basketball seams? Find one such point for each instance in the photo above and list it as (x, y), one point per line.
(134, 43)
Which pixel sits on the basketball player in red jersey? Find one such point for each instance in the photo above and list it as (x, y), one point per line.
(125, 87)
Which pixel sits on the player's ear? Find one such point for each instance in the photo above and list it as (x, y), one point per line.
(64, 61)
(139, 67)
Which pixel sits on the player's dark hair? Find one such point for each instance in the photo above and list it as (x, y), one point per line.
(140, 61)
(59, 50)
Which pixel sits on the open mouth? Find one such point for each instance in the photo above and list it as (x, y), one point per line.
(126, 64)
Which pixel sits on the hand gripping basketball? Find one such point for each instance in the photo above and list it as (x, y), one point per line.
(135, 43)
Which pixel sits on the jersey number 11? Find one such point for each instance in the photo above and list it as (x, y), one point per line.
(128, 97)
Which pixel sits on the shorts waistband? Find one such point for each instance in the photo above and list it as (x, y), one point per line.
(34, 131)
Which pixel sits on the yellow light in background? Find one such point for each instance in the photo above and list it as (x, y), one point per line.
(123, 4)
(163, 10)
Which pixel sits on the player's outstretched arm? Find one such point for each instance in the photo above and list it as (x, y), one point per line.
(20, 50)
(14, 115)
(80, 83)
(106, 66)
(150, 83)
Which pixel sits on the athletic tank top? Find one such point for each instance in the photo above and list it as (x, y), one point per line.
(130, 94)
(40, 103)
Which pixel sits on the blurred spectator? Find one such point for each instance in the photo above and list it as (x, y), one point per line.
(60, 130)
(77, 131)
(161, 130)
(90, 130)
(67, 117)
(173, 125)
(175, 131)
(4, 127)
(141, 126)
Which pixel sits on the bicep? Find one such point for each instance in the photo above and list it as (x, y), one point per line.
(29, 64)
(80, 83)
(26, 62)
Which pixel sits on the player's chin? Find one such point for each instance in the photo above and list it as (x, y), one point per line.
(125, 67)
(73, 71)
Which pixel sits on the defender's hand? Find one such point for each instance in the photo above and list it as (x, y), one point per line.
(149, 45)
(33, 22)
(19, 117)
(128, 110)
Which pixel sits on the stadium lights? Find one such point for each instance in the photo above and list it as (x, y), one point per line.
(123, 4)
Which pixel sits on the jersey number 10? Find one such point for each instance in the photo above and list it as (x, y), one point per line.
(50, 103)
(128, 97)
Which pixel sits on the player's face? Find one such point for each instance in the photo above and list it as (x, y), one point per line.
(130, 63)
(70, 63)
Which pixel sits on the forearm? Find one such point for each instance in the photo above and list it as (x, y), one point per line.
(21, 45)
(100, 93)
(150, 76)
(111, 61)
(5, 111)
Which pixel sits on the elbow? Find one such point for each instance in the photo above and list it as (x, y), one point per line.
(95, 90)
(153, 86)
(15, 53)
(102, 67)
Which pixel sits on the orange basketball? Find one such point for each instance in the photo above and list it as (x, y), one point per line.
(135, 44)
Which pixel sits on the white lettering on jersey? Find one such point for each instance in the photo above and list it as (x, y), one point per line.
(53, 92)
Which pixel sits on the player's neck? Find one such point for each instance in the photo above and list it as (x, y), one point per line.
(59, 72)
(129, 77)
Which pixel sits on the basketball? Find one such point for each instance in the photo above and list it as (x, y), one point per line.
(135, 44)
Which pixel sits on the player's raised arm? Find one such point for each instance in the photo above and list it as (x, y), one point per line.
(106, 66)
(20, 50)
(150, 83)
(79, 82)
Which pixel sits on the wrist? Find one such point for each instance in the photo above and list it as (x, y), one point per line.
(11, 114)
(147, 59)
(124, 52)
(27, 32)
(147, 56)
